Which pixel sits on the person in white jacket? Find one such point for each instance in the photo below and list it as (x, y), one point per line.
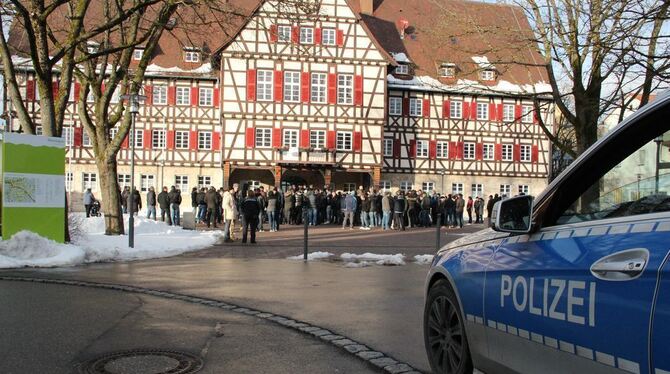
(89, 199)
(229, 215)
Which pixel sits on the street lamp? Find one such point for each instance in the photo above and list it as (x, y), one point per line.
(134, 100)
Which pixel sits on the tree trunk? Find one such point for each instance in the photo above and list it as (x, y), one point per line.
(111, 197)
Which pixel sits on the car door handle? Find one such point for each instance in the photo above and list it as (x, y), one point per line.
(621, 266)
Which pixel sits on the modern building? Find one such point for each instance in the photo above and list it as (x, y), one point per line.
(388, 94)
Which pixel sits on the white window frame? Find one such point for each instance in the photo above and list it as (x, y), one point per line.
(469, 151)
(146, 181)
(456, 188)
(159, 94)
(183, 95)
(138, 139)
(329, 37)
(456, 109)
(89, 180)
(442, 149)
(204, 181)
(508, 113)
(205, 140)
(284, 33)
(158, 139)
(123, 180)
(488, 151)
(344, 141)
(508, 152)
(191, 56)
(388, 147)
(527, 113)
(447, 71)
(348, 187)
(306, 35)
(422, 148)
(428, 186)
(415, 107)
(477, 190)
(384, 186)
(138, 53)
(263, 137)
(69, 180)
(505, 190)
(395, 106)
(345, 89)
(524, 189)
(181, 139)
(406, 185)
(68, 135)
(292, 86)
(525, 153)
(483, 111)
(85, 139)
(205, 96)
(487, 75)
(181, 182)
(402, 69)
(319, 88)
(290, 138)
(317, 138)
(264, 85)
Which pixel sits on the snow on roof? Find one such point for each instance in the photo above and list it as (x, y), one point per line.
(483, 62)
(205, 68)
(427, 83)
(401, 57)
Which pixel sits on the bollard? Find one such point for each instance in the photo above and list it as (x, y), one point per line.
(437, 235)
(306, 222)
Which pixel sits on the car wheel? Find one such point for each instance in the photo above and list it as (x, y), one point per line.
(444, 332)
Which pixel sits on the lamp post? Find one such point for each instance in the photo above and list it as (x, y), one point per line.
(134, 101)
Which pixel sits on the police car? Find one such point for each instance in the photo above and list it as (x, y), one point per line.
(576, 280)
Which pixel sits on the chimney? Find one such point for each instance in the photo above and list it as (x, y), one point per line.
(366, 7)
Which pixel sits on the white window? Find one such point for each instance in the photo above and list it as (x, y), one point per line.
(487, 75)
(345, 89)
(138, 139)
(319, 88)
(204, 181)
(477, 190)
(147, 181)
(264, 85)
(415, 107)
(525, 153)
(456, 188)
(442, 150)
(137, 54)
(39, 130)
(205, 140)
(317, 139)
(489, 151)
(181, 139)
(402, 69)
(254, 185)
(89, 180)
(527, 114)
(447, 71)
(508, 112)
(505, 190)
(123, 179)
(263, 137)
(205, 96)
(348, 187)
(388, 147)
(181, 182)
(384, 186)
(191, 56)
(306, 35)
(422, 148)
(112, 133)
(428, 186)
(116, 95)
(292, 86)
(290, 138)
(69, 179)
(523, 189)
(456, 109)
(507, 150)
(469, 151)
(158, 139)
(482, 111)
(68, 135)
(85, 139)
(328, 37)
(344, 140)
(395, 106)
(183, 95)
(406, 186)
(284, 33)
(159, 95)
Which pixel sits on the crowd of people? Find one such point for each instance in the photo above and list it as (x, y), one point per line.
(254, 208)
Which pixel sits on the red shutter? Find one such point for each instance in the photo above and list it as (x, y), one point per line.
(273, 33)
(251, 85)
(193, 140)
(251, 137)
(479, 151)
(459, 150)
(493, 113)
(405, 106)
(535, 154)
(215, 97)
(331, 140)
(396, 148)
(432, 149)
(452, 150)
(146, 139)
(498, 152)
(30, 90)
(340, 38)
(194, 96)
(304, 139)
(276, 137)
(305, 87)
(77, 91)
(536, 119)
(517, 152)
(446, 109)
(466, 110)
(358, 90)
(54, 89)
(170, 139)
(412, 148)
(517, 113)
(172, 95)
(78, 136)
(295, 34)
(426, 108)
(317, 36)
(124, 143)
(279, 86)
(149, 93)
(216, 141)
(332, 88)
(473, 110)
(499, 109)
(358, 141)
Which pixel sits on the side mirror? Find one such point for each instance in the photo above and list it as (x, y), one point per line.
(513, 215)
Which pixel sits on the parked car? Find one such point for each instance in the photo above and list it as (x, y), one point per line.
(576, 280)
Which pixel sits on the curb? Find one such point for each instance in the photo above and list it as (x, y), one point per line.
(377, 359)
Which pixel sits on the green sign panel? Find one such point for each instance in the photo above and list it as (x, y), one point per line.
(33, 185)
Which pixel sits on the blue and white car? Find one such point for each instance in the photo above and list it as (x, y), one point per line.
(576, 280)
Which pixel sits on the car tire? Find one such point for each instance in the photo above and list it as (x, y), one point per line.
(444, 332)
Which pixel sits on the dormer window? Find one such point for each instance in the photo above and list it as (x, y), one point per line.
(402, 69)
(92, 47)
(487, 75)
(138, 53)
(191, 55)
(447, 70)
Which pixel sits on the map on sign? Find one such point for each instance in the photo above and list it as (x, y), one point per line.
(33, 190)
(20, 189)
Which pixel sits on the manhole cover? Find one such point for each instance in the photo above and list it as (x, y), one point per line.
(143, 362)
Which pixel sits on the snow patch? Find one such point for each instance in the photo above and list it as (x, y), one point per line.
(483, 62)
(401, 57)
(362, 264)
(423, 259)
(390, 260)
(29, 249)
(312, 256)
(203, 69)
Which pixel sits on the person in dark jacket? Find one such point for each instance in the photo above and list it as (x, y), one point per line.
(250, 210)
(164, 204)
(175, 200)
(489, 207)
(124, 199)
(365, 210)
(271, 210)
(212, 203)
(399, 209)
(194, 200)
(137, 202)
(151, 203)
(202, 205)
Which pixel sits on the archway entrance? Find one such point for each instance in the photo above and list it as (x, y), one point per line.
(302, 177)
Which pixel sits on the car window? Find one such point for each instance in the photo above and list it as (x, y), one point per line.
(637, 185)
